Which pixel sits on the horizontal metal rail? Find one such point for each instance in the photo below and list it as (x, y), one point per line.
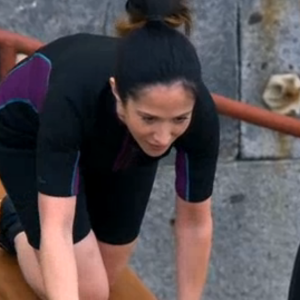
(12, 44)
(257, 116)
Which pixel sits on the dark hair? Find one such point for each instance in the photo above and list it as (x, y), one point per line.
(175, 13)
(152, 51)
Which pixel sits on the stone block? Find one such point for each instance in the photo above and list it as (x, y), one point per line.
(215, 37)
(47, 20)
(269, 45)
(256, 215)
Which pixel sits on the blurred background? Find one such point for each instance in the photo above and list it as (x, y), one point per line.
(241, 44)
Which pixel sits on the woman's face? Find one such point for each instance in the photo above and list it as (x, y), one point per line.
(158, 116)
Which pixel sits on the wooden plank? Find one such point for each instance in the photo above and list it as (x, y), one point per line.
(12, 284)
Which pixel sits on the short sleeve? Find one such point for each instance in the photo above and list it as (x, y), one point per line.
(58, 146)
(197, 151)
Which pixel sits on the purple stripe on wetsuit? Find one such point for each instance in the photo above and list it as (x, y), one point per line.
(182, 175)
(75, 181)
(27, 83)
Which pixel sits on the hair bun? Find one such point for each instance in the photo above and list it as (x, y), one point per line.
(153, 9)
(174, 13)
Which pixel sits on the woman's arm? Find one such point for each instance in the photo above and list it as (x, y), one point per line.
(57, 258)
(61, 128)
(196, 163)
(193, 229)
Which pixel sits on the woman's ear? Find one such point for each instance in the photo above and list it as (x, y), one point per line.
(113, 87)
(119, 103)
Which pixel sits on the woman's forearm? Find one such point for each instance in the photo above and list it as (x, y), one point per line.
(193, 254)
(58, 266)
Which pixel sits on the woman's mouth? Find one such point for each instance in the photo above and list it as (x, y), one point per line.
(157, 147)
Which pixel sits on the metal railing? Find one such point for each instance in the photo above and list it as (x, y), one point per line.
(257, 116)
(12, 44)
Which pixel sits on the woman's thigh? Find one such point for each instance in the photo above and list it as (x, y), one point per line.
(17, 172)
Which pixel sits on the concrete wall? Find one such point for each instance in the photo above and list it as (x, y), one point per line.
(256, 207)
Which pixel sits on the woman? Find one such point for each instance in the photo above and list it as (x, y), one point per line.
(83, 124)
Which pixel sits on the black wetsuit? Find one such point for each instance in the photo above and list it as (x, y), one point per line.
(60, 135)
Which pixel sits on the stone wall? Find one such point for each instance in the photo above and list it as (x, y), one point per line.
(269, 43)
(256, 211)
(256, 203)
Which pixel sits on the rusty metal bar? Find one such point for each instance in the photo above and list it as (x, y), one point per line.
(23, 44)
(257, 116)
(10, 45)
(7, 59)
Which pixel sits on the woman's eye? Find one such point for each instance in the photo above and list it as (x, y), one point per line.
(148, 119)
(180, 120)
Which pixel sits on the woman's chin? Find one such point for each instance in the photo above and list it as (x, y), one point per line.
(154, 151)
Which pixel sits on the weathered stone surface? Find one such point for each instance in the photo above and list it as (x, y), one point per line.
(270, 45)
(214, 36)
(47, 20)
(256, 210)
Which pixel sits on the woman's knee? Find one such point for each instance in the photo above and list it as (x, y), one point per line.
(115, 259)
(92, 276)
(94, 287)
(29, 265)
(95, 290)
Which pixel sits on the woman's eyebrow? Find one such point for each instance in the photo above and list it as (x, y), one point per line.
(184, 114)
(146, 114)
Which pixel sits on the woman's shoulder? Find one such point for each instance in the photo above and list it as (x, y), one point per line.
(81, 61)
(84, 51)
(82, 40)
